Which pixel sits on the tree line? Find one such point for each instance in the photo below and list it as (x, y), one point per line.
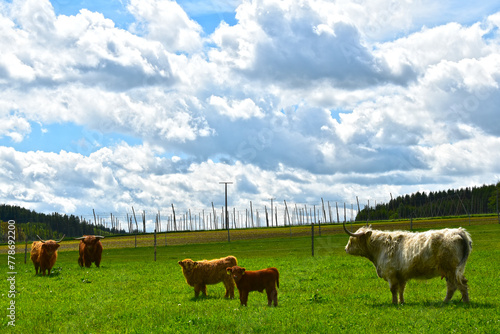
(29, 224)
(465, 201)
(452, 202)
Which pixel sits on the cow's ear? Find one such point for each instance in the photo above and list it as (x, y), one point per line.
(195, 263)
(180, 263)
(229, 270)
(368, 234)
(243, 271)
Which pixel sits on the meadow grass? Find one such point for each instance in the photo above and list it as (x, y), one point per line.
(329, 293)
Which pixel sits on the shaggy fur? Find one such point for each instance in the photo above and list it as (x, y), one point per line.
(44, 255)
(399, 256)
(258, 280)
(90, 250)
(200, 273)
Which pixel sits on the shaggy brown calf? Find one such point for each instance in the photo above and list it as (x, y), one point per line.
(44, 254)
(90, 250)
(200, 273)
(258, 280)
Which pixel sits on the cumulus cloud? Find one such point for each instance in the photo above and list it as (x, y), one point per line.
(297, 100)
(293, 44)
(236, 109)
(166, 22)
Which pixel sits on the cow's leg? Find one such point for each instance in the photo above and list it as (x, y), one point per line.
(36, 269)
(228, 283)
(197, 289)
(275, 297)
(394, 286)
(270, 296)
(401, 289)
(231, 290)
(80, 261)
(243, 297)
(464, 290)
(204, 290)
(88, 263)
(452, 287)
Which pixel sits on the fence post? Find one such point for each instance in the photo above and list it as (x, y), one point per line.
(498, 214)
(312, 239)
(155, 245)
(136, 227)
(175, 223)
(25, 249)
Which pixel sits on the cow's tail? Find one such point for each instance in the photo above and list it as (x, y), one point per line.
(467, 248)
(277, 277)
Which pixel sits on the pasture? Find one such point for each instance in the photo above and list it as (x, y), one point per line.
(329, 293)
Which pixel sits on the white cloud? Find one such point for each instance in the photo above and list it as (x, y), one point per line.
(165, 21)
(428, 47)
(17, 128)
(244, 109)
(294, 44)
(298, 100)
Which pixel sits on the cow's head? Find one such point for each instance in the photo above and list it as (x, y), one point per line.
(236, 272)
(50, 246)
(358, 242)
(188, 265)
(90, 240)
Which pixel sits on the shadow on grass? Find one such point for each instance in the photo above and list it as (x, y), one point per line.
(202, 297)
(53, 274)
(437, 305)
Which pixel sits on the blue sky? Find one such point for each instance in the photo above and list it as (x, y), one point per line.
(107, 105)
(208, 14)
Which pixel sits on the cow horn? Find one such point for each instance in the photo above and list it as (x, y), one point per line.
(352, 234)
(40, 239)
(99, 237)
(61, 239)
(80, 238)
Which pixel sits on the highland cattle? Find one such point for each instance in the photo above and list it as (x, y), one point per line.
(400, 256)
(257, 280)
(90, 250)
(199, 274)
(44, 254)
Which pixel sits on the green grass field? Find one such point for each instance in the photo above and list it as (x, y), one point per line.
(328, 293)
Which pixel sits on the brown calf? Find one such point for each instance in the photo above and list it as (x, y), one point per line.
(258, 280)
(44, 254)
(200, 273)
(90, 250)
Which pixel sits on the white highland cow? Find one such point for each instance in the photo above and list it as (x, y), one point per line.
(400, 256)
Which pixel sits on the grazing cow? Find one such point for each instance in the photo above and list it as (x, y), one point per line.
(90, 250)
(399, 256)
(200, 273)
(258, 280)
(44, 254)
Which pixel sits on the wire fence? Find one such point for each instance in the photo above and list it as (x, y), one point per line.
(320, 232)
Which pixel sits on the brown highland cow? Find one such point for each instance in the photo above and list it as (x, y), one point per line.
(256, 280)
(90, 250)
(200, 273)
(44, 254)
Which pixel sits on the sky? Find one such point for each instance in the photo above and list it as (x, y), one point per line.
(105, 105)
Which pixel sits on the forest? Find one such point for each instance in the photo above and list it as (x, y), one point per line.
(30, 223)
(465, 201)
